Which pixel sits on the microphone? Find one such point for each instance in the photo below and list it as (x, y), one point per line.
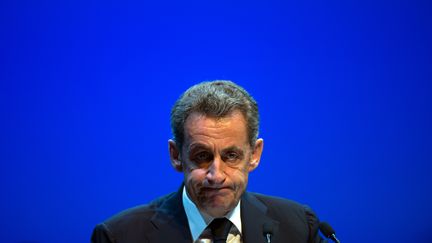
(268, 231)
(328, 231)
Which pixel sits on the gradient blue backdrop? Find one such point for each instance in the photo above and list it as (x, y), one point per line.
(344, 89)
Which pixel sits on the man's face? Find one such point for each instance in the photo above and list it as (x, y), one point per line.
(216, 159)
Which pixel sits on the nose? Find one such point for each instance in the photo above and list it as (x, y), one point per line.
(215, 174)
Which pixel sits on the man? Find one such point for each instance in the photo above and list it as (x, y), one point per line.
(215, 146)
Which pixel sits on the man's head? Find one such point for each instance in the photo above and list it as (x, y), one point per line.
(215, 127)
(215, 99)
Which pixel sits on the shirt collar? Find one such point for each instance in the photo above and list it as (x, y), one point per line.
(198, 221)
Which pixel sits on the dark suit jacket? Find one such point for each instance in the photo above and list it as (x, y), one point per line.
(164, 220)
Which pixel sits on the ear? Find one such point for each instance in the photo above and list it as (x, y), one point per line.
(256, 154)
(175, 156)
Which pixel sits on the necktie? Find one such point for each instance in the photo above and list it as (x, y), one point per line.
(220, 228)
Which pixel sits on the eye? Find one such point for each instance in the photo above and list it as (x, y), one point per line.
(231, 157)
(202, 157)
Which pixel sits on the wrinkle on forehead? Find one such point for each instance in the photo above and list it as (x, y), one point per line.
(203, 129)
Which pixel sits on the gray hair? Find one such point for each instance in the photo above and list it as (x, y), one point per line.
(216, 99)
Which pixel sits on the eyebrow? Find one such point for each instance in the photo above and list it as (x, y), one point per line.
(233, 148)
(196, 146)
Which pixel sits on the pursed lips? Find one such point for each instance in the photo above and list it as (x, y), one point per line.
(215, 189)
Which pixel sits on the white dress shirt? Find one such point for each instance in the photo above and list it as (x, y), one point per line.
(198, 222)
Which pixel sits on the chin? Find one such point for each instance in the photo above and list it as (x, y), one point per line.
(217, 212)
(219, 208)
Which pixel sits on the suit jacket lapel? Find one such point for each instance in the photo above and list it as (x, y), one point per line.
(171, 224)
(170, 221)
(254, 216)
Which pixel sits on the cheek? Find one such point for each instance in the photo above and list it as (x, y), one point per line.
(195, 177)
(239, 177)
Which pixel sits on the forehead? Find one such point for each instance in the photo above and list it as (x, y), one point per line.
(230, 129)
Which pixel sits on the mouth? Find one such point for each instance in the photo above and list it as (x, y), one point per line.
(217, 190)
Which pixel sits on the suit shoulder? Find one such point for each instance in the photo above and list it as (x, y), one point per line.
(292, 215)
(274, 201)
(288, 209)
(136, 216)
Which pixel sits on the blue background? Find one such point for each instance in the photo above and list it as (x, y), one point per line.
(344, 89)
